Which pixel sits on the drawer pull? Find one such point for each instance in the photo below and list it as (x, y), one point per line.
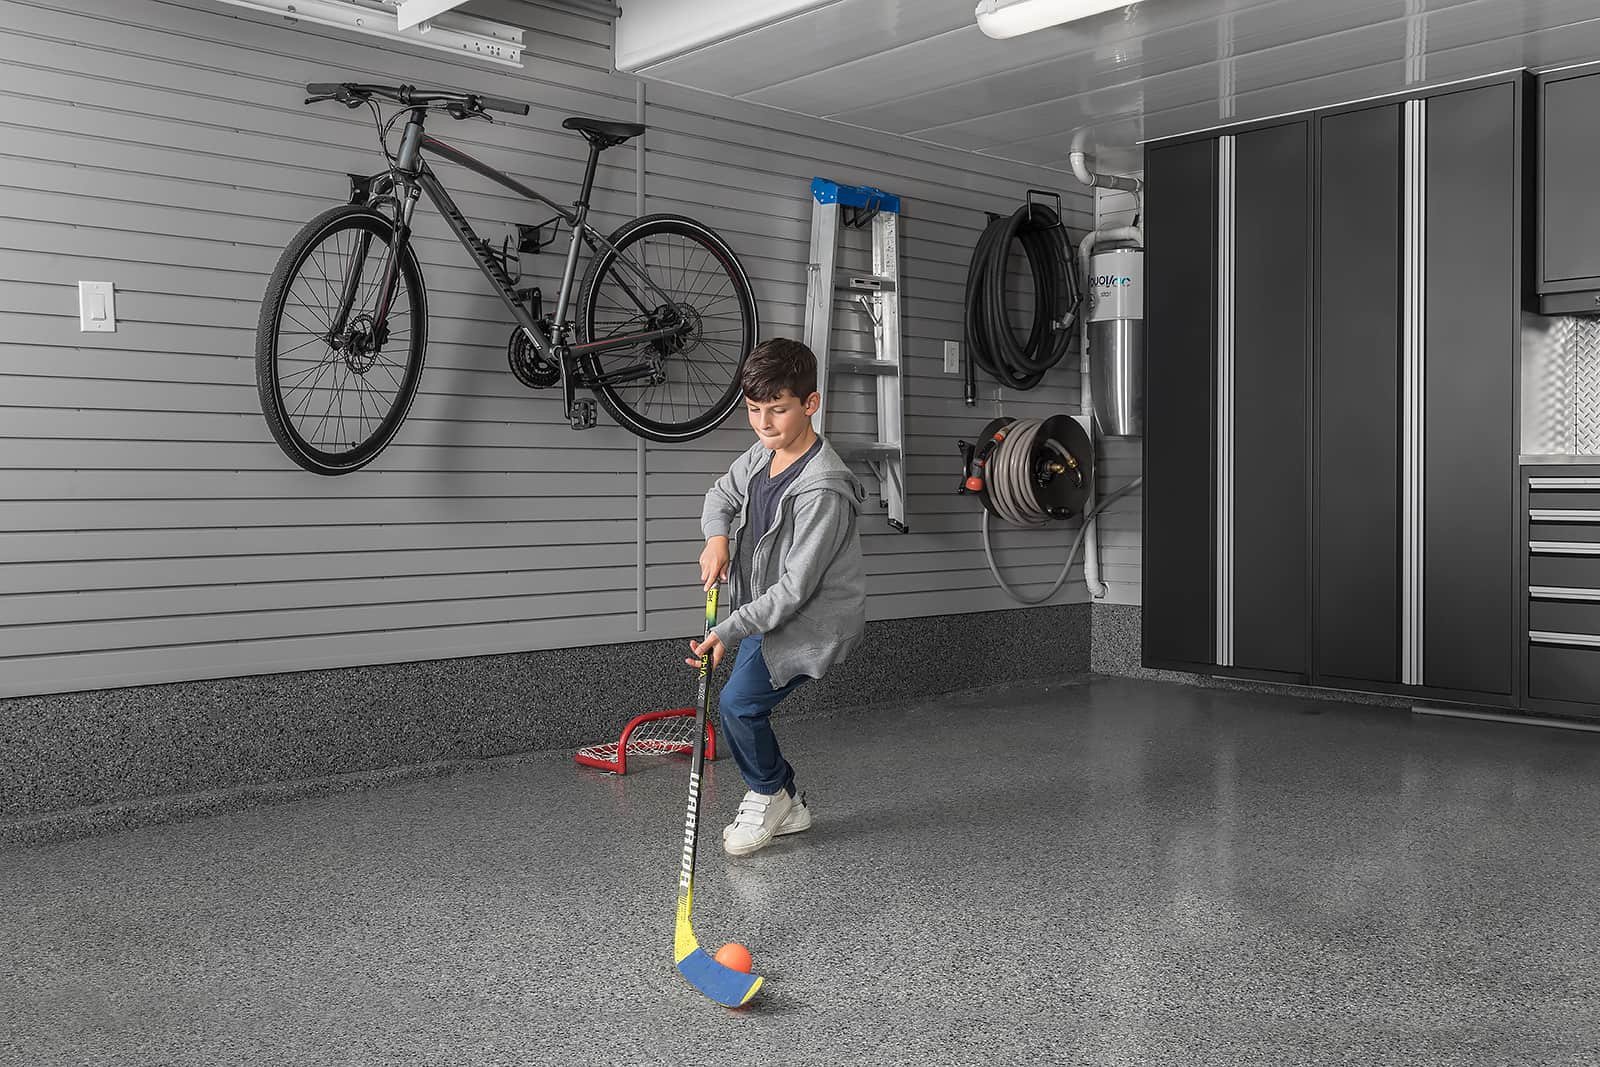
(1556, 592)
(1552, 515)
(1546, 637)
(1564, 483)
(1564, 548)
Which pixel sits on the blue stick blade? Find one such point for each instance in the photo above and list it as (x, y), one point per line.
(722, 984)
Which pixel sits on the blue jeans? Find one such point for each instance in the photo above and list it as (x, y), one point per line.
(746, 706)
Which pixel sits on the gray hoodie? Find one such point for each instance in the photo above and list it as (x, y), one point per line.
(808, 589)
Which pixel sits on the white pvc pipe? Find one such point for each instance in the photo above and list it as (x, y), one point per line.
(1091, 545)
(1080, 167)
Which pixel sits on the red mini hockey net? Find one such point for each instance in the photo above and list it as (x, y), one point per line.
(655, 733)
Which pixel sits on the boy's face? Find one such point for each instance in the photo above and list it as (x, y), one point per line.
(782, 421)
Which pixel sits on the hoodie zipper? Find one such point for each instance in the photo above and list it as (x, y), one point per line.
(777, 519)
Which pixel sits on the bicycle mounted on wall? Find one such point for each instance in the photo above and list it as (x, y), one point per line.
(665, 313)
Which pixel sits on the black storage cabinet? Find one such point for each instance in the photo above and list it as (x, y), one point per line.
(1318, 420)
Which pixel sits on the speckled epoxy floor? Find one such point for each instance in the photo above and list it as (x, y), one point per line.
(1113, 872)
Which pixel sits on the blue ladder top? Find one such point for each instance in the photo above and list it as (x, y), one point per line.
(866, 196)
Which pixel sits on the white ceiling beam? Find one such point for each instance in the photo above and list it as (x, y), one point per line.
(410, 12)
(650, 31)
(459, 34)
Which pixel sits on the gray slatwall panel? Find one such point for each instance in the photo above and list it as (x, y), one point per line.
(127, 547)
(150, 530)
(296, 649)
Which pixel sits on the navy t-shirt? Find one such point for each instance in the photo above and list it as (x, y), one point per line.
(761, 505)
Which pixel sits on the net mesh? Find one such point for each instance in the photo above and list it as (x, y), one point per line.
(656, 733)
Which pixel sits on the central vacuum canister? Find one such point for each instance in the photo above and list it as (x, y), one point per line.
(1116, 340)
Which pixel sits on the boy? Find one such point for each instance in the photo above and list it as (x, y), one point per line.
(782, 523)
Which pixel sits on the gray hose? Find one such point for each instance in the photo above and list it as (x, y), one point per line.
(1072, 553)
(1010, 481)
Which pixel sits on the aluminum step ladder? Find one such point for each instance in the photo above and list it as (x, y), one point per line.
(876, 295)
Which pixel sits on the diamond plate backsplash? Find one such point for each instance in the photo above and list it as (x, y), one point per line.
(1583, 386)
(1560, 385)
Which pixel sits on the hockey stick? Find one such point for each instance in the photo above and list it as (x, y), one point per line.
(722, 984)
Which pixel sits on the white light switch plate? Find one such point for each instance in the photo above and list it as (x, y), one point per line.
(97, 311)
(952, 357)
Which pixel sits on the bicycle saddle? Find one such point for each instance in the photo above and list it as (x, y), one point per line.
(602, 133)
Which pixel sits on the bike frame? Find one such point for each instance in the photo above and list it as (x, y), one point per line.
(412, 176)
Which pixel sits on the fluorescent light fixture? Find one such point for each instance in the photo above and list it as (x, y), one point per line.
(1001, 19)
(461, 34)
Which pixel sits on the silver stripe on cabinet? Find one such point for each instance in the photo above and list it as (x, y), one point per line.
(1413, 353)
(1225, 282)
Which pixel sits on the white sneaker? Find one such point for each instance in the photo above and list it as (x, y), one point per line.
(761, 818)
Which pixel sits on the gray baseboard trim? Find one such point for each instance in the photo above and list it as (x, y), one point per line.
(181, 807)
(82, 763)
(1506, 717)
(1115, 650)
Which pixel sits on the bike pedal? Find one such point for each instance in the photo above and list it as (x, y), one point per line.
(582, 415)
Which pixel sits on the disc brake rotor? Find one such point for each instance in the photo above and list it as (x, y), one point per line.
(360, 344)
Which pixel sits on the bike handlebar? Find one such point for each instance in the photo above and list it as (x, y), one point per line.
(353, 94)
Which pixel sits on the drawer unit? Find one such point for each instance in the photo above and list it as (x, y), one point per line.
(1563, 611)
(1550, 529)
(1555, 563)
(1575, 493)
(1564, 672)
(1563, 602)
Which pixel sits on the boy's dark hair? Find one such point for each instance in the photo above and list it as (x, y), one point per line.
(776, 365)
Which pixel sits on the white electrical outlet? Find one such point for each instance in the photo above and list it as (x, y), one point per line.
(952, 357)
(97, 309)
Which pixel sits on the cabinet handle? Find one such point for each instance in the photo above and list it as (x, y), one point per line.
(1545, 637)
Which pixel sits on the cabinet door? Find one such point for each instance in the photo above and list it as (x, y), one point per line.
(1178, 615)
(1469, 394)
(1569, 159)
(1357, 389)
(1271, 349)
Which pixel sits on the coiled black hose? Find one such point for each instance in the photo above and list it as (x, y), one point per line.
(991, 342)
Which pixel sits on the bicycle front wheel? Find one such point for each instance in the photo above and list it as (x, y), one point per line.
(680, 387)
(336, 371)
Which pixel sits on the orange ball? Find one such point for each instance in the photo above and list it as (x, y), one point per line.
(734, 956)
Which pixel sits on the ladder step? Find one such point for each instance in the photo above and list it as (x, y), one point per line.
(865, 450)
(859, 282)
(864, 365)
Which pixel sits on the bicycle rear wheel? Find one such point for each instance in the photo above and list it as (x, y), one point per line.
(335, 382)
(692, 382)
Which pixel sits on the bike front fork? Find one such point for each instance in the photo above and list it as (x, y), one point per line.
(389, 278)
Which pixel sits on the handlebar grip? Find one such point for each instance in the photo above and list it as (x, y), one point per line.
(324, 88)
(500, 103)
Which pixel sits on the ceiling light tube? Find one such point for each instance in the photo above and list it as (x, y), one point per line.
(1000, 19)
(460, 34)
